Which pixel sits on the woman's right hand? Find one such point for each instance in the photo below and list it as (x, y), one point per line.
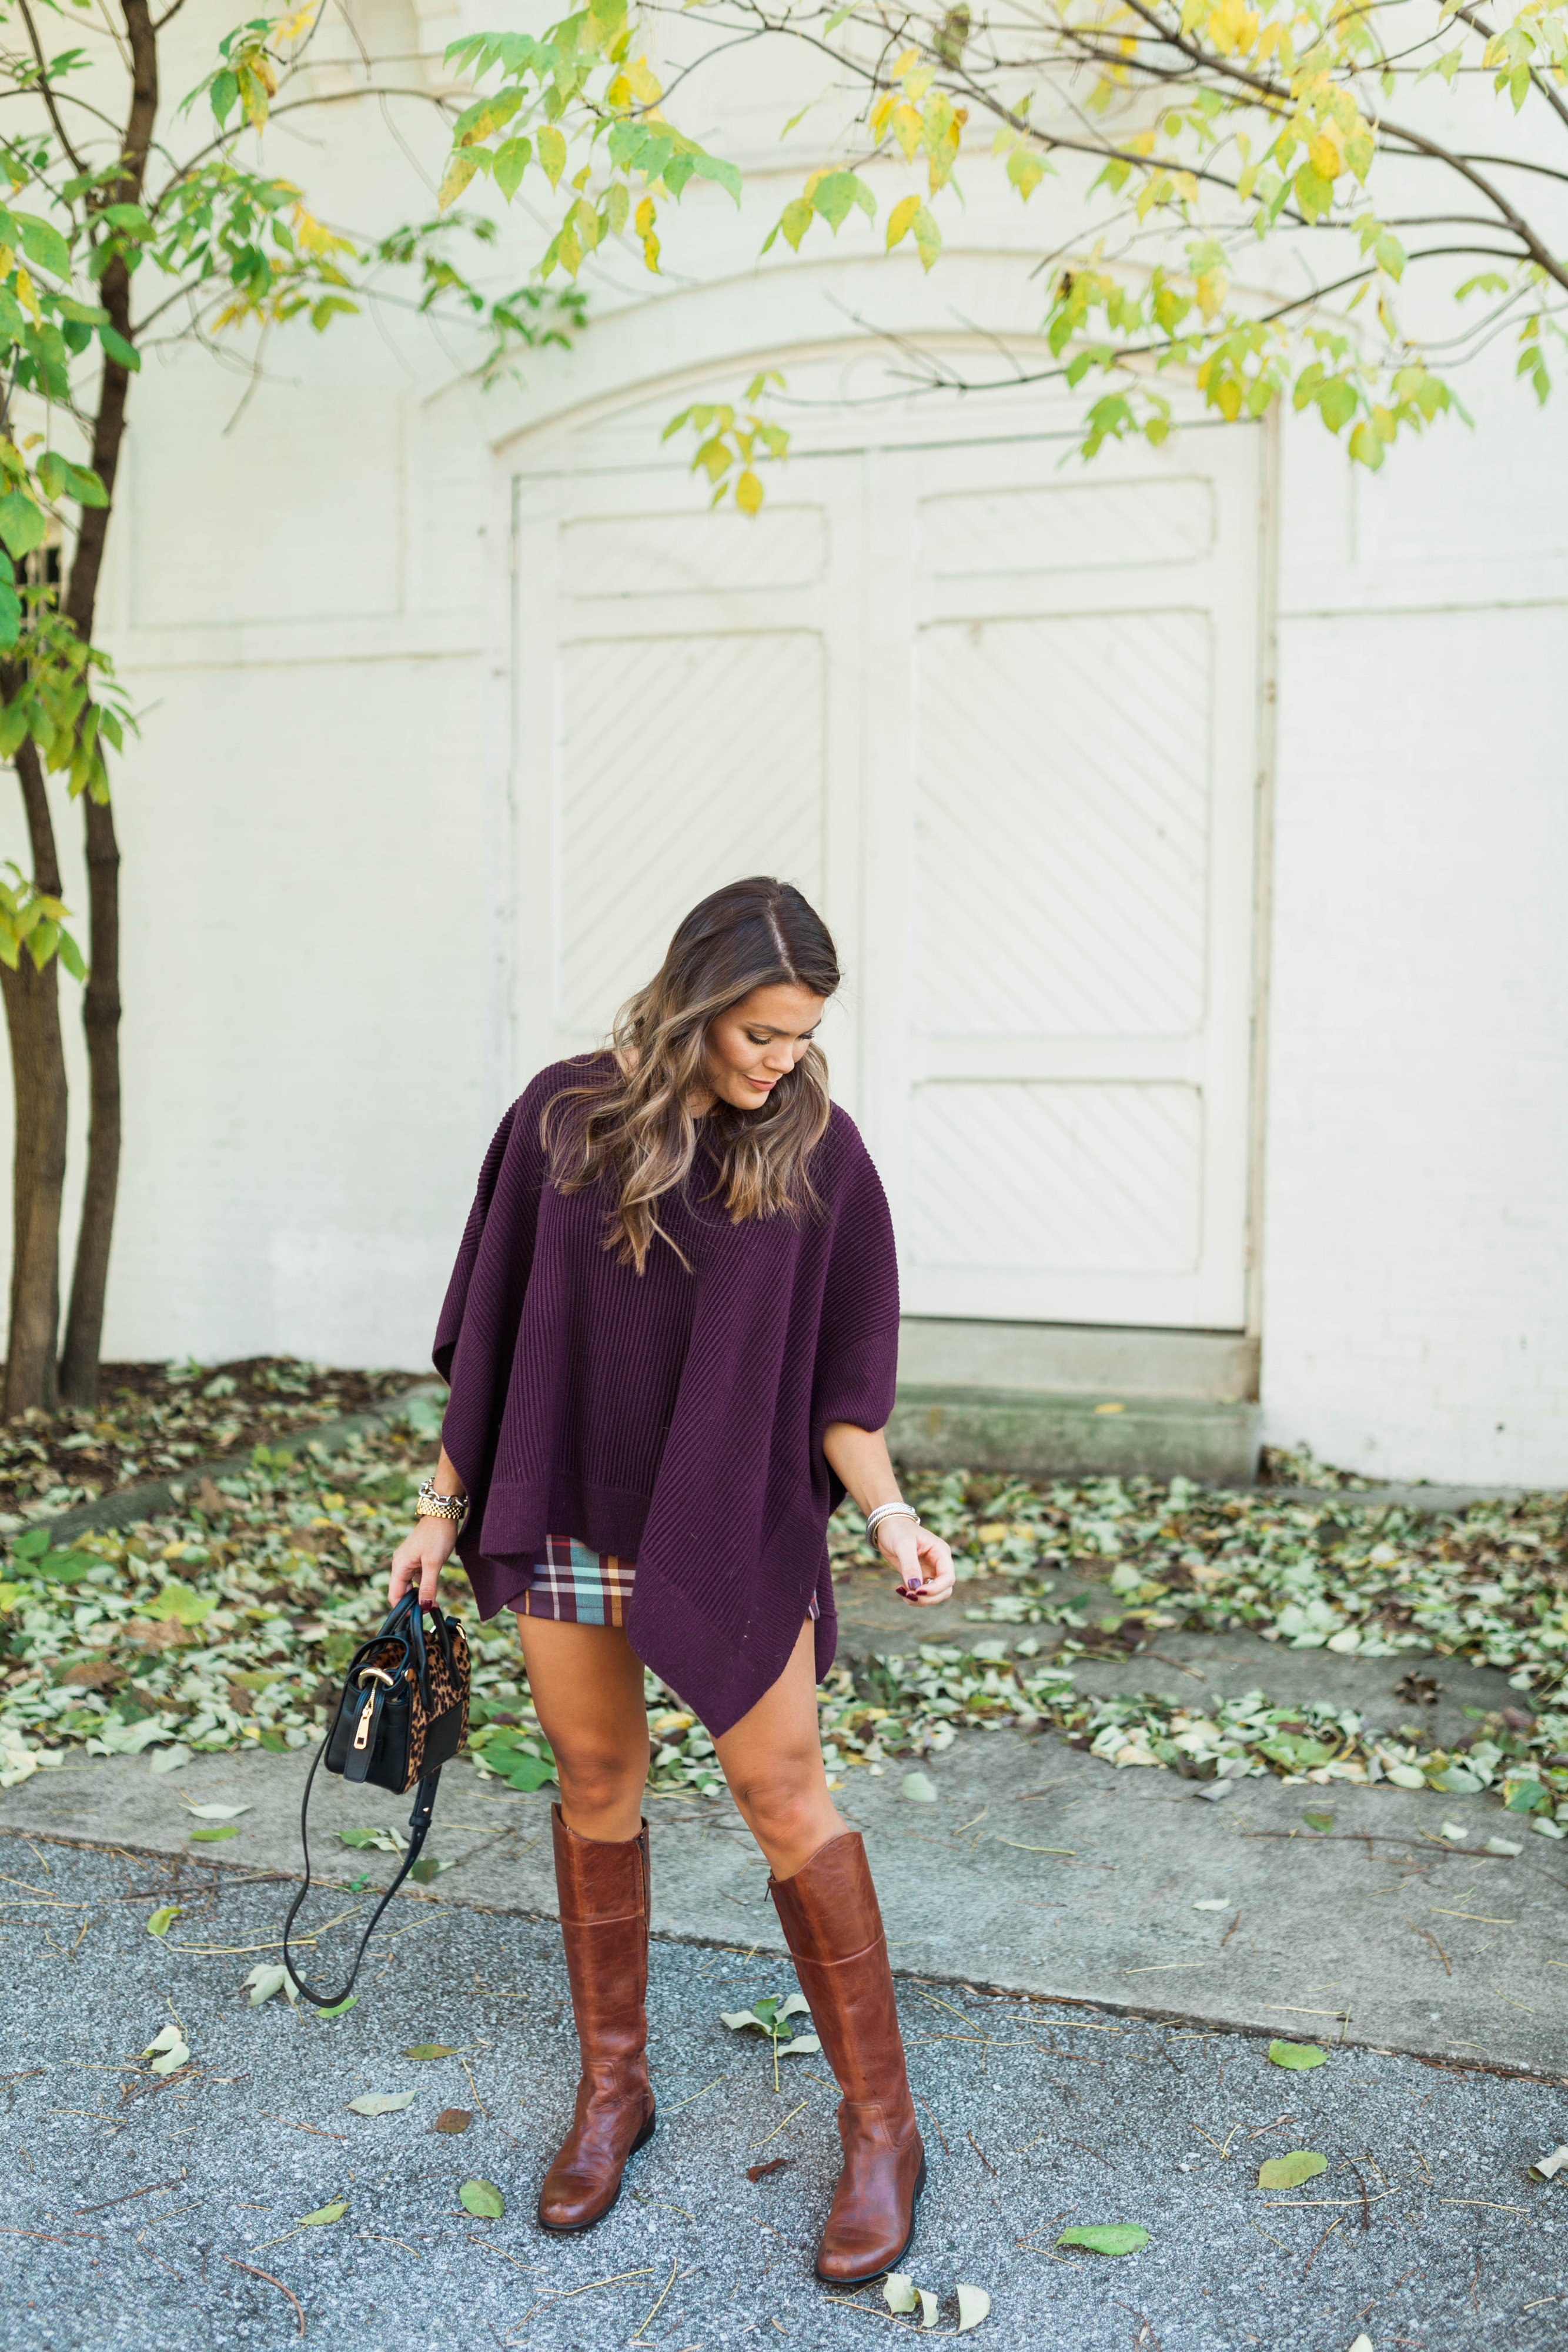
(420, 1558)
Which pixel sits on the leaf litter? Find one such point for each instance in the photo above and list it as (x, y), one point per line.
(228, 1621)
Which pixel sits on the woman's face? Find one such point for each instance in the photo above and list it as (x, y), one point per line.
(758, 1041)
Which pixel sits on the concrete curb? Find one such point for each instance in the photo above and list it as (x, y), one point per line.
(1034, 1869)
(128, 1503)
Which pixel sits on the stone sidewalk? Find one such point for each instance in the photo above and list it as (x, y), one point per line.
(1037, 1868)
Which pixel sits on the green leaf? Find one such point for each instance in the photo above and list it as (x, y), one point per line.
(1107, 2238)
(65, 1567)
(324, 2214)
(115, 344)
(512, 161)
(10, 630)
(336, 2007)
(23, 525)
(1321, 1822)
(430, 2049)
(483, 2200)
(715, 168)
(381, 2102)
(163, 1918)
(1290, 2171)
(213, 1836)
(1297, 2057)
(42, 243)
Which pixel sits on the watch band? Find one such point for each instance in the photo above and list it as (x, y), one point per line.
(434, 1505)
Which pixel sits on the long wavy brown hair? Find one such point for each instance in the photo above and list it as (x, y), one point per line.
(635, 1124)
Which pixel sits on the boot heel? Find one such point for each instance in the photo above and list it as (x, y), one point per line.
(646, 2134)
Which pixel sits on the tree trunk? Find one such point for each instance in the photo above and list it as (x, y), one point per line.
(100, 1008)
(38, 1162)
(101, 1018)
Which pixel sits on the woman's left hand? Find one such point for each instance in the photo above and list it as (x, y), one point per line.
(922, 1559)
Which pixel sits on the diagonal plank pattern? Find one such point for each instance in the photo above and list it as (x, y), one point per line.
(726, 779)
(1063, 824)
(1044, 1176)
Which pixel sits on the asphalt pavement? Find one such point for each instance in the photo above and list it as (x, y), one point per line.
(239, 2200)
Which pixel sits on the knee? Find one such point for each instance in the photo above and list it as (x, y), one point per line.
(784, 1808)
(593, 1777)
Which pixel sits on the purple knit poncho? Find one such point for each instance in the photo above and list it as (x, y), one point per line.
(673, 1418)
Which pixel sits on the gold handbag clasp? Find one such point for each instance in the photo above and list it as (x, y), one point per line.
(367, 1713)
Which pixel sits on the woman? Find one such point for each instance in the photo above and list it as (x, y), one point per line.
(670, 1337)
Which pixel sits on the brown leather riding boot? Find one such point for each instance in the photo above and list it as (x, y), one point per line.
(831, 1923)
(605, 1905)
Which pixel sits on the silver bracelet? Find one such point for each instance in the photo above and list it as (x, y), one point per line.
(434, 1505)
(888, 1511)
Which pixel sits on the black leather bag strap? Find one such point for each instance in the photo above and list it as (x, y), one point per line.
(418, 1827)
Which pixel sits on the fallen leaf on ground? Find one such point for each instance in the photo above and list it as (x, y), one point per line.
(1323, 1821)
(1106, 2237)
(173, 2052)
(761, 2171)
(453, 2120)
(216, 1812)
(1547, 2167)
(385, 1841)
(430, 2049)
(324, 2213)
(213, 1837)
(974, 2304)
(1213, 1903)
(1297, 2056)
(1290, 2171)
(163, 1918)
(380, 2102)
(265, 1979)
(898, 2291)
(1362, 2343)
(1504, 1846)
(168, 1759)
(336, 2007)
(483, 2200)
(919, 1788)
(1455, 1832)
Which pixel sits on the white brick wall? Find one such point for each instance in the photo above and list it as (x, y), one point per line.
(1415, 1233)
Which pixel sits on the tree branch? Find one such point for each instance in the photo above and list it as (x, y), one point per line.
(48, 96)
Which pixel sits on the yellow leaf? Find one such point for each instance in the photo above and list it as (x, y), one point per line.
(290, 27)
(904, 63)
(901, 219)
(28, 298)
(647, 89)
(551, 149)
(459, 171)
(906, 129)
(1324, 156)
(748, 493)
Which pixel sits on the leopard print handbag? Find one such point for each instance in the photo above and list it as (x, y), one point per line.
(403, 1713)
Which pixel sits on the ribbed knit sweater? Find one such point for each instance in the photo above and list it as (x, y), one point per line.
(675, 1417)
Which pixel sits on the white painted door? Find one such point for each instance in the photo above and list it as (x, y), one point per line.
(999, 717)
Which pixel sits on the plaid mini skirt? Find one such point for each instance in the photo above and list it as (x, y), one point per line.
(578, 1587)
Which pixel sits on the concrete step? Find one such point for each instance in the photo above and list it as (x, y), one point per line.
(1041, 1433)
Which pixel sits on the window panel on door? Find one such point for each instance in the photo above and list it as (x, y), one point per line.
(684, 762)
(1051, 1178)
(1062, 825)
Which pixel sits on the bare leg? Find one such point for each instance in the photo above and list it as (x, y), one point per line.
(587, 1685)
(772, 1759)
